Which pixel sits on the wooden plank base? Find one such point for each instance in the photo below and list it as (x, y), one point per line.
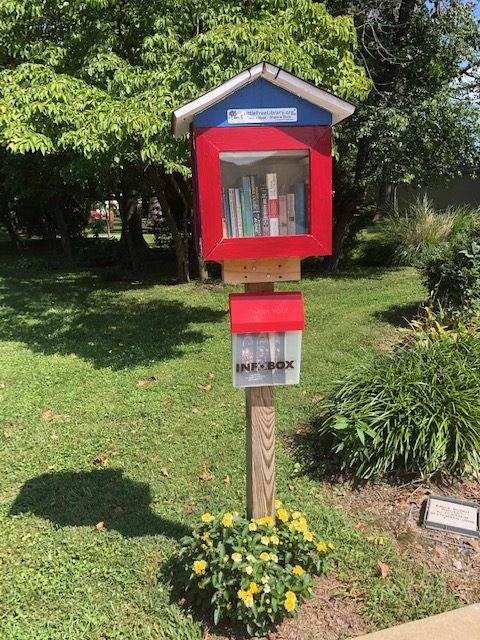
(261, 270)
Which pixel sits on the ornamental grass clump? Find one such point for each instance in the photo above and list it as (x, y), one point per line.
(257, 571)
(416, 410)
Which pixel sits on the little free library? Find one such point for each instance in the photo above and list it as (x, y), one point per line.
(262, 172)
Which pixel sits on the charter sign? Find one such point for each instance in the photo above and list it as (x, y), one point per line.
(259, 116)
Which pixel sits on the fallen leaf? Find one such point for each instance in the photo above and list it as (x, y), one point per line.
(206, 474)
(100, 525)
(376, 540)
(189, 508)
(165, 403)
(383, 568)
(164, 472)
(300, 432)
(170, 459)
(211, 375)
(147, 381)
(182, 602)
(54, 438)
(195, 410)
(317, 398)
(204, 387)
(46, 415)
(226, 479)
(57, 416)
(475, 544)
(113, 453)
(100, 459)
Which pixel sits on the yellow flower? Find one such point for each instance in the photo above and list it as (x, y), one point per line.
(273, 557)
(265, 579)
(251, 558)
(302, 524)
(269, 610)
(282, 515)
(321, 547)
(278, 504)
(310, 589)
(241, 594)
(264, 539)
(297, 570)
(227, 520)
(266, 520)
(290, 601)
(199, 566)
(207, 517)
(252, 526)
(308, 535)
(264, 556)
(296, 515)
(236, 557)
(253, 588)
(226, 558)
(248, 600)
(248, 570)
(228, 606)
(274, 539)
(205, 536)
(331, 546)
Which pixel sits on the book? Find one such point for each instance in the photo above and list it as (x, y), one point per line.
(282, 215)
(256, 215)
(238, 209)
(292, 226)
(233, 212)
(271, 180)
(264, 210)
(300, 207)
(226, 215)
(247, 203)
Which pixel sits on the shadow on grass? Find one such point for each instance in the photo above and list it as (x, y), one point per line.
(85, 498)
(312, 269)
(60, 312)
(399, 315)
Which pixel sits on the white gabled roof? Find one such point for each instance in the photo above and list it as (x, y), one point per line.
(339, 108)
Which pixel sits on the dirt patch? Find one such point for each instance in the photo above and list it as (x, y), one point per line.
(385, 508)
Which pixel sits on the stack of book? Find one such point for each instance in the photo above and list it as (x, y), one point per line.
(255, 208)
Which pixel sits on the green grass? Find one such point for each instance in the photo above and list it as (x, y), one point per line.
(76, 346)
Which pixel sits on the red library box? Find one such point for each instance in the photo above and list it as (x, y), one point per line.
(262, 167)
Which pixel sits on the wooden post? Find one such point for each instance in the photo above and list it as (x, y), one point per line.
(260, 409)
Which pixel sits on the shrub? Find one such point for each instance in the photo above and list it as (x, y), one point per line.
(98, 252)
(253, 571)
(451, 271)
(417, 410)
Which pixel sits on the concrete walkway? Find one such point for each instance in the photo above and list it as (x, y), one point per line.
(461, 624)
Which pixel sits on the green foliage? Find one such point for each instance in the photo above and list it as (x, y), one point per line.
(256, 572)
(98, 252)
(405, 235)
(451, 271)
(417, 411)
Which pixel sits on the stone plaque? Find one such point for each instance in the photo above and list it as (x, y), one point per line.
(453, 516)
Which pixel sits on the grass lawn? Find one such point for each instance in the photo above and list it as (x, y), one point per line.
(101, 420)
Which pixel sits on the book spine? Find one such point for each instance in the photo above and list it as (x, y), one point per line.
(264, 210)
(300, 207)
(271, 180)
(238, 208)
(233, 212)
(282, 215)
(292, 227)
(257, 218)
(247, 197)
(226, 214)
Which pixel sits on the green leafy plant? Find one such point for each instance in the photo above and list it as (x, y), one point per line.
(253, 571)
(417, 410)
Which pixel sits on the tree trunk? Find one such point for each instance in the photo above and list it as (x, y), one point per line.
(181, 249)
(128, 203)
(10, 222)
(345, 213)
(64, 233)
(136, 232)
